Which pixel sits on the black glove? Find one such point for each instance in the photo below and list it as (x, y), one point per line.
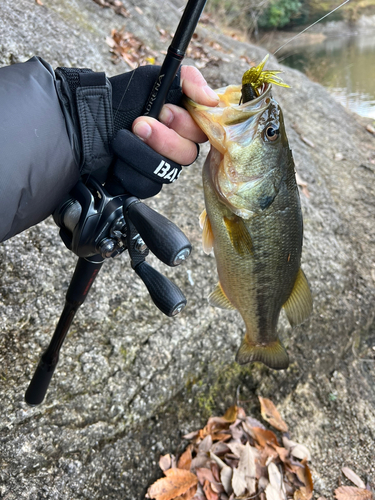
(99, 114)
(138, 170)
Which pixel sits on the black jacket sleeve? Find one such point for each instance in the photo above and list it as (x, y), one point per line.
(37, 164)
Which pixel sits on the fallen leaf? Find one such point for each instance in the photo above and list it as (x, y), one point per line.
(274, 476)
(184, 462)
(189, 494)
(244, 477)
(370, 129)
(238, 483)
(304, 475)
(204, 475)
(210, 494)
(176, 483)
(264, 436)
(38, 2)
(231, 414)
(272, 493)
(165, 462)
(352, 476)
(191, 435)
(236, 448)
(271, 415)
(352, 493)
(297, 450)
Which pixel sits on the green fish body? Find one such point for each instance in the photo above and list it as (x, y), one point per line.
(253, 220)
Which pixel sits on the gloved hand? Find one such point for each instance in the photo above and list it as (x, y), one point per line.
(153, 154)
(56, 126)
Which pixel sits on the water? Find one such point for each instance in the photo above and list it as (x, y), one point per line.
(344, 64)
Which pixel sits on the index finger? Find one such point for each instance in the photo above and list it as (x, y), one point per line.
(195, 86)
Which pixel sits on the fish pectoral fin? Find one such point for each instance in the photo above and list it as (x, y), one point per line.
(239, 235)
(207, 234)
(299, 305)
(217, 298)
(272, 354)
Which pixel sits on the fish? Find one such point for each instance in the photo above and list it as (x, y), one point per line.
(253, 218)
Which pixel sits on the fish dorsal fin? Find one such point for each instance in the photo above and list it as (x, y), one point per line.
(239, 235)
(298, 307)
(207, 235)
(217, 298)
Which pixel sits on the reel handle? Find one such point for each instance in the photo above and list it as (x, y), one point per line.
(165, 294)
(163, 237)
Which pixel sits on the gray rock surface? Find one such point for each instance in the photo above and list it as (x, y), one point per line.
(130, 381)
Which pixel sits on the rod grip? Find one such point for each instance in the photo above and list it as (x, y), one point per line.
(165, 294)
(163, 238)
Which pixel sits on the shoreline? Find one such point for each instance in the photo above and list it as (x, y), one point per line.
(272, 40)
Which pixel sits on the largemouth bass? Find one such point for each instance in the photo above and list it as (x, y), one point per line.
(253, 218)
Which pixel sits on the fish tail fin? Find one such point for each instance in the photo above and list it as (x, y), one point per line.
(272, 354)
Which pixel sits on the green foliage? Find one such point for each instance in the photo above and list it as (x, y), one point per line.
(279, 13)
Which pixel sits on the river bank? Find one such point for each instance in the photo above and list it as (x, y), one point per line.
(131, 382)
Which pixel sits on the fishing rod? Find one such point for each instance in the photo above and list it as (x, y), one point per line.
(96, 225)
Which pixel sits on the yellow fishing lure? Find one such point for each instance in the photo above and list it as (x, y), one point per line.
(254, 78)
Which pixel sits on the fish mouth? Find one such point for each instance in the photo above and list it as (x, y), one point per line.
(229, 119)
(229, 99)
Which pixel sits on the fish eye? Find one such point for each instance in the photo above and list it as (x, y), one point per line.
(272, 133)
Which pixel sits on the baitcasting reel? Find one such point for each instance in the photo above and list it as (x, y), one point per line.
(97, 226)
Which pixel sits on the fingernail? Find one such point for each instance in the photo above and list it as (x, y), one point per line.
(142, 130)
(166, 116)
(210, 93)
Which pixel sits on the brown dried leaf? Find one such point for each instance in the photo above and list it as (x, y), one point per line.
(38, 2)
(264, 436)
(199, 494)
(352, 476)
(189, 494)
(231, 414)
(208, 491)
(204, 475)
(215, 471)
(282, 452)
(176, 483)
(352, 493)
(271, 415)
(184, 462)
(304, 475)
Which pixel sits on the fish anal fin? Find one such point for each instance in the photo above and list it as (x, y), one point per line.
(272, 354)
(239, 235)
(217, 298)
(299, 305)
(207, 234)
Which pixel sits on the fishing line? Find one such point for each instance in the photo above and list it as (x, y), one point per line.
(311, 25)
(125, 91)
